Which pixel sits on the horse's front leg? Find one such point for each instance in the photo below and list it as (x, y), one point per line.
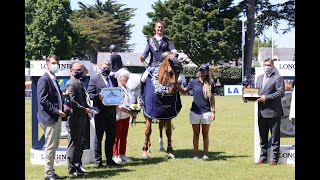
(169, 134)
(161, 124)
(147, 142)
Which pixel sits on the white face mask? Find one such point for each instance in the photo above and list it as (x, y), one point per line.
(267, 70)
(54, 68)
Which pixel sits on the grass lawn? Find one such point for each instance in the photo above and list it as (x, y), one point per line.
(231, 149)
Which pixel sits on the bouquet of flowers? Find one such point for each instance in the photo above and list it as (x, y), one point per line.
(134, 108)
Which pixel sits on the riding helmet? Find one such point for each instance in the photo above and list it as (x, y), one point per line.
(112, 47)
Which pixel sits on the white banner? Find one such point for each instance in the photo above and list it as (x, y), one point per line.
(38, 68)
(285, 68)
(231, 90)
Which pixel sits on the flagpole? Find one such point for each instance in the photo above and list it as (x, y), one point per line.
(272, 41)
(242, 46)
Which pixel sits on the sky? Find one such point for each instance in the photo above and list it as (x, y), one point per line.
(140, 19)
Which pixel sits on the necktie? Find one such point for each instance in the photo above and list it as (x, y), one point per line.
(265, 79)
(107, 81)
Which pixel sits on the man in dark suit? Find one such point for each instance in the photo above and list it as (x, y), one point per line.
(272, 89)
(115, 58)
(105, 120)
(77, 120)
(50, 113)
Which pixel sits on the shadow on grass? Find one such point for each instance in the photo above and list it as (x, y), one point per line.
(103, 173)
(188, 153)
(143, 162)
(110, 171)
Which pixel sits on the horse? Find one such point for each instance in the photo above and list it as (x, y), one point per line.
(134, 84)
(161, 101)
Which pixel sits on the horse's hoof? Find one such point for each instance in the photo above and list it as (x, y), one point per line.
(171, 156)
(144, 156)
(162, 149)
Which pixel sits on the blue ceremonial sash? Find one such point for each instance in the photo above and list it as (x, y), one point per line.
(154, 48)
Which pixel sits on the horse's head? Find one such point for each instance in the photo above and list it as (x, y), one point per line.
(169, 71)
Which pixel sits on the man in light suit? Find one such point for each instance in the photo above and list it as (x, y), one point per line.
(50, 113)
(77, 120)
(272, 89)
(105, 120)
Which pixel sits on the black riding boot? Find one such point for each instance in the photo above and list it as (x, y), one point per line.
(142, 85)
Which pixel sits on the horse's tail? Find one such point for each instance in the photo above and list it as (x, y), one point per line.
(172, 126)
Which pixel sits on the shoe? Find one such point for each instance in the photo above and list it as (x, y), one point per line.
(205, 157)
(117, 160)
(261, 161)
(50, 177)
(125, 158)
(195, 158)
(79, 170)
(273, 163)
(99, 165)
(75, 173)
(112, 163)
(84, 169)
(58, 177)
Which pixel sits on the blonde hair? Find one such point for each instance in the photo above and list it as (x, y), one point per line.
(207, 82)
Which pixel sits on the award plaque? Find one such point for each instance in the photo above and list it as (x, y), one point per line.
(250, 94)
(112, 96)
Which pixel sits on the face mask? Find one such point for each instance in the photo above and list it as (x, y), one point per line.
(267, 70)
(105, 71)
(54, 68)
(77, 74)
(83, 79)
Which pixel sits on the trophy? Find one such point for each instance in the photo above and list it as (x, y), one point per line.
(112, 96)
(67, 104)
(250, 94)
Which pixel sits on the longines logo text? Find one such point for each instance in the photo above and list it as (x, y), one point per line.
(288, 155)
(58, 156)
(287, 66)
(61, 66)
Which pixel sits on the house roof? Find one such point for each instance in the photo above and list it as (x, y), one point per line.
(133, 59)
(128, 58)
(282, 54)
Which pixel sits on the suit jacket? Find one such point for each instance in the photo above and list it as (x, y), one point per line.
(77, 96)
(96, 83)
(48, 100)
(273, 90)
(165, 45)
(116, 62)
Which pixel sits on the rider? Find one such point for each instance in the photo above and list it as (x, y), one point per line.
(115, 58)
(156, 45)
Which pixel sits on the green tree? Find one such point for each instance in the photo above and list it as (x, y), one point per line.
(207, 31)
(261, 14)
(47, 29)
(267, 42)
(101, 25)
